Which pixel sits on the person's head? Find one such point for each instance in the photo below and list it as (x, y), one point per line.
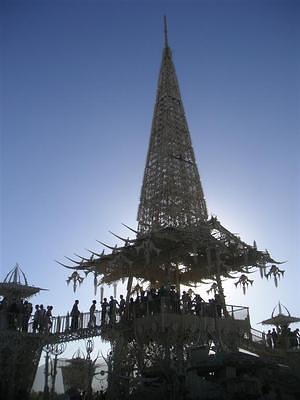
(94, 301)
(76, 301)
(111, 297)
(121, 296)
(41, 306)
(37, 307)
(105, 299)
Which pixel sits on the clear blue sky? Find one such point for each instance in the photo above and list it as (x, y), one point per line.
(78, 84)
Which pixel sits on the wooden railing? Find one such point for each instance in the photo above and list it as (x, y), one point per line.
(63, 324)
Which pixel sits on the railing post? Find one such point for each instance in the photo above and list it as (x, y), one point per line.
(67, 322)
(58, 323)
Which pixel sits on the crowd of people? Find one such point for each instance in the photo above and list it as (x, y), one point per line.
(282, 336)
(17, 314)
(149, 303)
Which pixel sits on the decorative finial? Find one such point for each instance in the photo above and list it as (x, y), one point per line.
(166, 31)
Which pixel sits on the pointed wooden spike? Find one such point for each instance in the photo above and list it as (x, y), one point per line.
(124, 240)
(82, 258)
(71, 259)
(106, 245)
(126, 226)
(64, 265)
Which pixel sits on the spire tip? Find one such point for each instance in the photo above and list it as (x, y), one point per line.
(166, 31)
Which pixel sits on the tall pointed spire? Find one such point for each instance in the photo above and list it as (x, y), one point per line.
(166, 31)
(172, 194)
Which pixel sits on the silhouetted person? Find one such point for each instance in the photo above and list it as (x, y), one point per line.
(274, 337)
(75, 315)
(104, 306)
(198, 304)
(41, 319)
(269, 339)
(36, 315)
(92, 321)
(48, 318)
(27, 310)
(122, 305)
(112, 310)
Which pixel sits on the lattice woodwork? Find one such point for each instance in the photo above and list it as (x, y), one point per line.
(171, 194)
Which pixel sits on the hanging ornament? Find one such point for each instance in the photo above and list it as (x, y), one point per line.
(262, 270)
(213, 288)
(76, 279)
(276, 273)
(101, 294)
(244, 282)
(115, 290)
(95, 283)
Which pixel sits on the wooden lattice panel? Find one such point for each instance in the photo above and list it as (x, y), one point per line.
(172, 194)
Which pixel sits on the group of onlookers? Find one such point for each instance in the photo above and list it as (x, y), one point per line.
(42, 319)
(283, 337)
(154, 301)
(148, 303)
(16, 315)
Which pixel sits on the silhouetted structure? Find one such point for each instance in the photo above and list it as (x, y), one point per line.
(19, 352)
(158, 349)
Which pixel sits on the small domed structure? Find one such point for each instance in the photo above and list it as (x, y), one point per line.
(15, 285)
(280, 320)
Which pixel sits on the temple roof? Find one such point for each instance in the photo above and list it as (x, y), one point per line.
(281, 319)
(173, 255)
(15, 285)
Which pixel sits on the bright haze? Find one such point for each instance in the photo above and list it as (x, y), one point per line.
(78, 89)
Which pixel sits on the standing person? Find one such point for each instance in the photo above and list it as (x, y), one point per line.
(112, 310)
(104, 306)
(186, 302)
(198, 304)
(48, 318)
(274, 337)
(75, 315)
(26, 315)
(42, 318)
(35, 324)
(92, 321)
(269, 339)
(122, 305)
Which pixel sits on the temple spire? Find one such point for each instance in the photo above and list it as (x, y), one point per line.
(171, 194)
(166, 31)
